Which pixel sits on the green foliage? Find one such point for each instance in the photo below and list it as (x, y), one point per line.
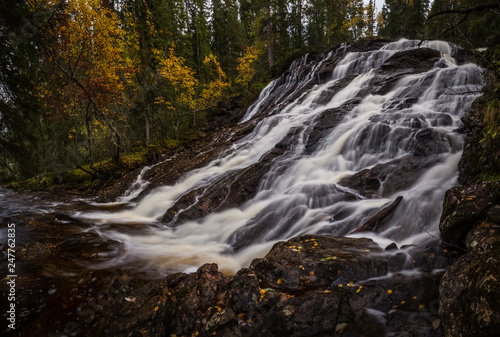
(492, 119)
(474, 29)
(84, 82)
(21, 113)
(404, 18)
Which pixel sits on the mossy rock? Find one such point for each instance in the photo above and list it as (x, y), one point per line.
(469, 291)
(465, 207)
(153, 153)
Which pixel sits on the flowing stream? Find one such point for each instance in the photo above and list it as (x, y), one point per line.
(406, 132)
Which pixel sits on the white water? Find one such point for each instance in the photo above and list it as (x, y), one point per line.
(304, 199)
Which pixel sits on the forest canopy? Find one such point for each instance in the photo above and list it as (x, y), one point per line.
(85, 81)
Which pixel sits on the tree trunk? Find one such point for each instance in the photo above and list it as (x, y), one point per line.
(88, 123)
(270, 38)
(118, 145)
(146, 117)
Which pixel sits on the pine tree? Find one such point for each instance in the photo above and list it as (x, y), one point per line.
(227, 34)
(22, 112)
(404, 18)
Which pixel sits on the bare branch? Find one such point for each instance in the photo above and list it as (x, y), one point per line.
(466, 11)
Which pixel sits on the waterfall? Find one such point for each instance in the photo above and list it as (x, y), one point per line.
(401, 129)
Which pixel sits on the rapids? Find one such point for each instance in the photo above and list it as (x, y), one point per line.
(403, 130)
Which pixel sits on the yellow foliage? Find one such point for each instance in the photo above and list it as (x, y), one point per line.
(216, 89)
(88, 55)
(185, 85)
(92, 37)
(246, 64)
(180, 76)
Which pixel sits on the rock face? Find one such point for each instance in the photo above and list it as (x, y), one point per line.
(307, 286)
(466, 207)
(470, 301)
(469, 290)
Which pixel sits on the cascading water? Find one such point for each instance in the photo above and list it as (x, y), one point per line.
(401, 132)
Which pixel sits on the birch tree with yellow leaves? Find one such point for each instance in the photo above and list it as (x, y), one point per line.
(186, 98)
(87, 79)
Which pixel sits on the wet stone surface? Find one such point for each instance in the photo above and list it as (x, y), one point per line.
(307, 286)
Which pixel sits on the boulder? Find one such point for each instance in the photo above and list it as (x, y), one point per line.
(465, 207)
(318, 262)
(365, 182)
(470, 304)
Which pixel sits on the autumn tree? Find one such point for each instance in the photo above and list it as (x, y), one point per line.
(185, 99)
(86, 85)
(246, 67)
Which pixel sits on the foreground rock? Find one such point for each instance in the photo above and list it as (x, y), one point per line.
(470, 302)
(469, 291)
(307, 286)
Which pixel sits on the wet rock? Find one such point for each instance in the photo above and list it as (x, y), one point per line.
(401, 173)
(199, 302)
(410, 61)
(231, 191)
(374, 223)
(316, 314)
(465, 207)
(85, 246)
(470, 305)
(329, 118)
(428, 142)
(318, 262)
(365, 182)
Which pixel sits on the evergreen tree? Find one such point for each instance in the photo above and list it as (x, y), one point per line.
(21, 111)
(404, 18)
(472, 23)
(227, 34)
(316, 23)
(370, 18)
(200, 34)
(296, 26)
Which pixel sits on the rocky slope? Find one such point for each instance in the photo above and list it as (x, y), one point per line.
(469, 290)
(312, 285)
